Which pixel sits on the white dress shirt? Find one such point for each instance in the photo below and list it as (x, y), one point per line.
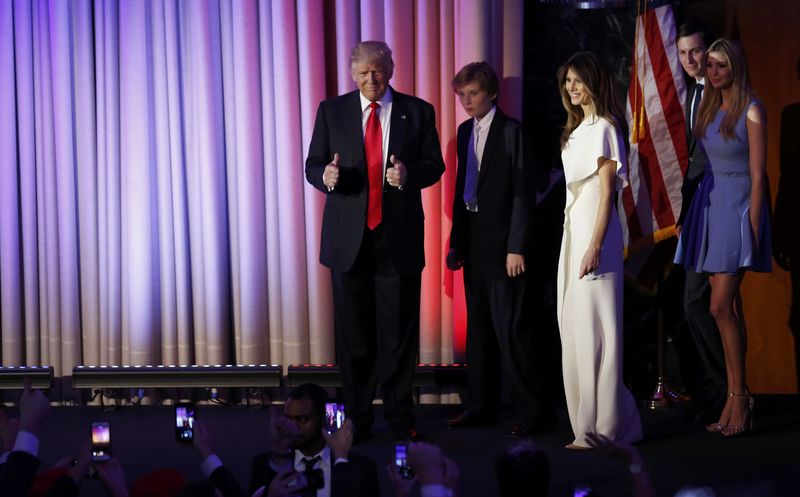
(385, 117)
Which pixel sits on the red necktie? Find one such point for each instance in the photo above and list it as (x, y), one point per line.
(373, 148)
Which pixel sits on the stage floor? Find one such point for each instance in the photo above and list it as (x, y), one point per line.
(677, 451)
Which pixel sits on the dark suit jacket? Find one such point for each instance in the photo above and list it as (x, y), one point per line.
(697, 161)
(16, 475)
(505, 195)
(413, 140)
(356, 478)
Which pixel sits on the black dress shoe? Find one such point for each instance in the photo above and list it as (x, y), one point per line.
(469, 419)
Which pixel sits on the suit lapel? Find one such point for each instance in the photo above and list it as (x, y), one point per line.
(352, 121)
(495, 134)
(689, 134)
(397, 132)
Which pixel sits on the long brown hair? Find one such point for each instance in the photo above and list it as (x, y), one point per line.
(712, 97)
(597, 80)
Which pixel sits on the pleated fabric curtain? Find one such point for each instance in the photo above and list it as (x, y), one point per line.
(153, 205)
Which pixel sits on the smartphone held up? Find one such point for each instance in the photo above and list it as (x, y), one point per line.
(401, 461)
(184, 423)
(101, 441)
(334, 416)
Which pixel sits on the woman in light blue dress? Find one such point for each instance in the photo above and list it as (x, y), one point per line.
(727, 230)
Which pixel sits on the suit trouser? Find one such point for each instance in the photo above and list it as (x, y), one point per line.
(703, 328)
(498, 335)
(376, 315)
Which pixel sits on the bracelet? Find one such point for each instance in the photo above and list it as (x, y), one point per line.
(635, 468)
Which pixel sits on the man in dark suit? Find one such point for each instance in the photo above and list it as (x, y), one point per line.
(372, 152)
(297, 437)
(490, 238)
(692, 41)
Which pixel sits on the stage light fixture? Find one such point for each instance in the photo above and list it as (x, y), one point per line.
(13, 377)
(324, 375)
(425, 375)
(183, 376)
(440, 375)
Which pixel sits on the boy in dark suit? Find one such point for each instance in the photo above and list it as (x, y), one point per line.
(489, 239)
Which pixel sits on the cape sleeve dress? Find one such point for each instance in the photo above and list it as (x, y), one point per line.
(590, 309)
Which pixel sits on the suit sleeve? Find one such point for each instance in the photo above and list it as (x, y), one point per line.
(226, 483)
(688, 188)
(18, 473)
(318, 151)
(428, 168)
(355, 479)
(521, 171)
(64, 487)
(457, 240)
(261, 473)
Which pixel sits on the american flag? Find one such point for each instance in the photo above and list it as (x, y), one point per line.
(650, 204)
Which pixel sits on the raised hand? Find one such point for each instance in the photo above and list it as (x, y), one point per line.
(330, 177)
(396, 175)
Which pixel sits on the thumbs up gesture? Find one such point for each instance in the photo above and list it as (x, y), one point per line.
(331, 175)
(396, 175)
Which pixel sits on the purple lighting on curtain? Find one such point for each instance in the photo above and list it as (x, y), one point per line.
(153, 207)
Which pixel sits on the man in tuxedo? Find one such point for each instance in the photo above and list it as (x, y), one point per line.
(372, 152)
(299, 444)
(490, 239)
(693, 39)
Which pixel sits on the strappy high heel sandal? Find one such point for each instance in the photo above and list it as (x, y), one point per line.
(748, 419)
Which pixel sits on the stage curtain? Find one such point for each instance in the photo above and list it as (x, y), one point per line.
(153, 205)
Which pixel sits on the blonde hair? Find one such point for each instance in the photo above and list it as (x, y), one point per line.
(373, 52)
(712, 97)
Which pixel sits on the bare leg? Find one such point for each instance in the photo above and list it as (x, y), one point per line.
(727, 311)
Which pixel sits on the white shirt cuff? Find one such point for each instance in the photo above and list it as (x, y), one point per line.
(435, 490)
(210, 465)
(259, 492)
(27, 442)
(340, 460)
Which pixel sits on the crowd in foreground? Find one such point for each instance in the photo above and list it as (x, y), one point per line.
(304, 460)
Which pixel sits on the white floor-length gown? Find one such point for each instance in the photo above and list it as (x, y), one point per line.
(590, 309)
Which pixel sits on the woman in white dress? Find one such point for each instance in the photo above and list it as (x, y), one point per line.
(590, 267)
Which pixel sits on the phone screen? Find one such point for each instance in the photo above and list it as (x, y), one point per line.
(334, 416)
(184, 423)
(101, 441)
(401, 461)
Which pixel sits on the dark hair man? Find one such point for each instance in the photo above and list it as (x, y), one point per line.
(300, 445)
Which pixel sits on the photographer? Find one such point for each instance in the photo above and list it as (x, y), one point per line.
(306, 459)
